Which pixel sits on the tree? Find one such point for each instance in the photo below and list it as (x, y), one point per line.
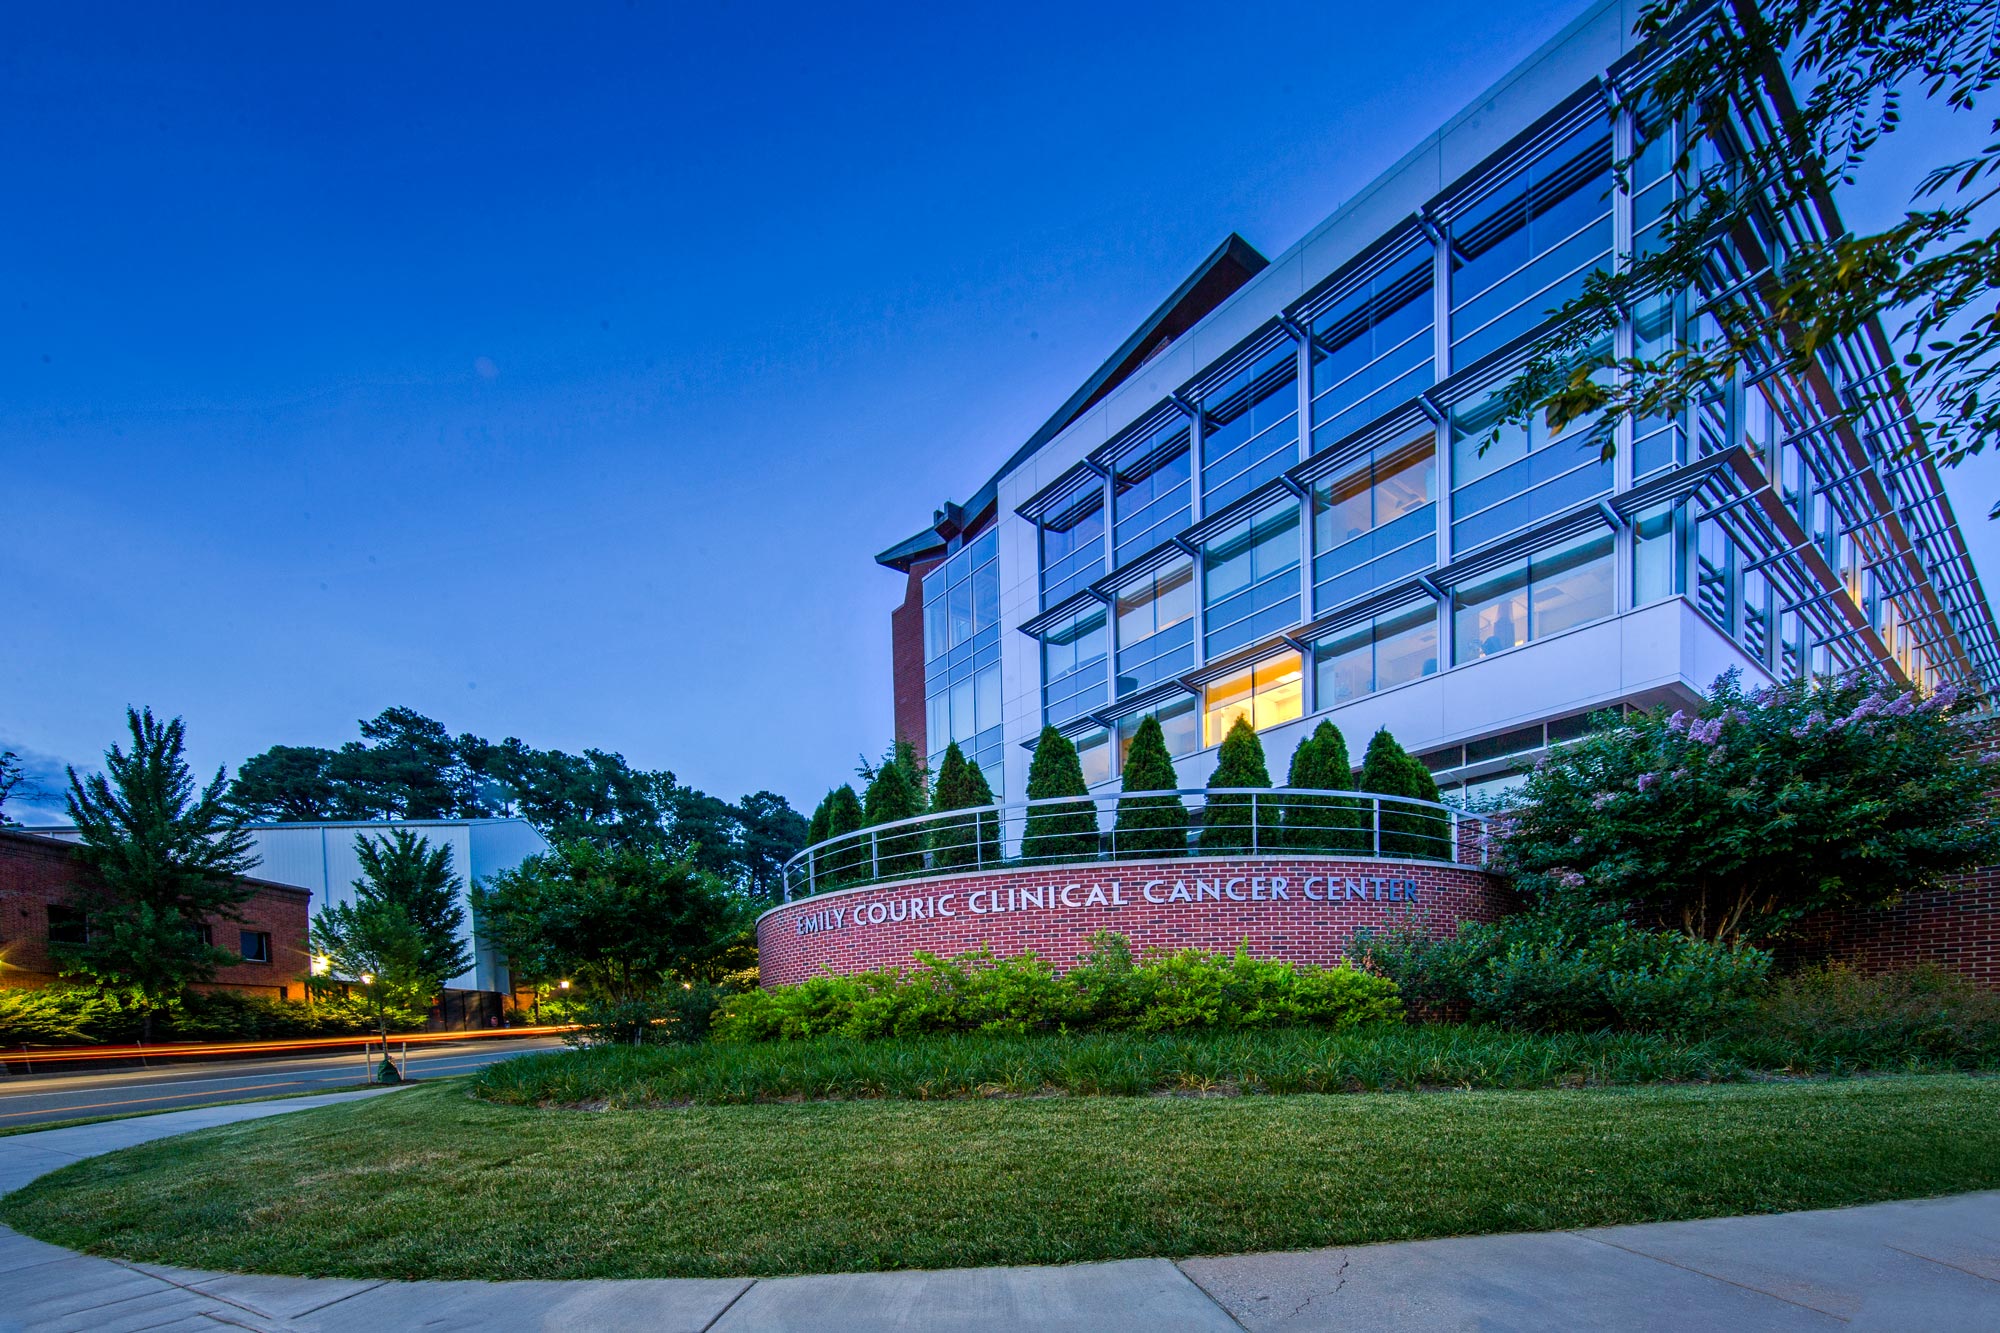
(847, 859)
(407, 766)
(903, 754)
(595, 795)
(291, 783)
(164, 859)
(1150, 825)
(402, 868)
(1756, 810)
(1859, 62)
(890, 799)
(971, 840)
(1229, 823)
(1401, 780)
(616, 920)
(374, 944)
(1324, 823)
(1065, 831)
(16, 784)
(770, 833)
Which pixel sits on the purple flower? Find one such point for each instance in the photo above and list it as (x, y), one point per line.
(1678, 722)
(1569, 879)
(1647, 781)
(1602, 799)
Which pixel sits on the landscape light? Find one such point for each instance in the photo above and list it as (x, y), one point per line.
(563, 984)
(367, 978)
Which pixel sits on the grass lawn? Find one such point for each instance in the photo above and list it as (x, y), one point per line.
(432, 1183)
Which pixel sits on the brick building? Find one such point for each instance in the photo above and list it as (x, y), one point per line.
(39, 877)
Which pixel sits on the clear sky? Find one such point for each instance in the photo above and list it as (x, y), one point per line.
(557, 370)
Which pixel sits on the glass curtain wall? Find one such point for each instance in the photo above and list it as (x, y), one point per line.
(1073, 548)
(1150, 498)
(1252, 430)
(1155, 627)
(1250, 578)
(962, 656)
(1375, 522)
(1267, 694)
(1383, 651)
(1075, 679)
(1506, 475)
(1372, 349)
(1559, 588)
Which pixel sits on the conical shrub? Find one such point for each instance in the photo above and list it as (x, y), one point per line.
(847, 859)
(968, 840)
(1150, 825)
(1389, 771)
(891, 798)
(1229, 823)
(1330, 824)
(1065, 831)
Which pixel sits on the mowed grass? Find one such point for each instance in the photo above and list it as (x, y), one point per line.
(432, 1183)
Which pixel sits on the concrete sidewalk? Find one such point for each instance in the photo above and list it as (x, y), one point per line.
(1932, 1264)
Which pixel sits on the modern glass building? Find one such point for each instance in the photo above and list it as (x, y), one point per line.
(1272, 502)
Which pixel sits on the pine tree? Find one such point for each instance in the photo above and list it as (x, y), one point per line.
(1326, 823)
(1227, 822)
(891, 798)
(1150, 825)
(404, 869)
(1389, 770)
(847, 859)
(971, 840)
(816, 826)
(1064, 832)
(165, 857)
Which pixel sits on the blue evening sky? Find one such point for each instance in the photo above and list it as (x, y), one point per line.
(557, 370)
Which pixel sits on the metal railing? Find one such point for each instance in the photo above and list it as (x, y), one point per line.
(1132, 826)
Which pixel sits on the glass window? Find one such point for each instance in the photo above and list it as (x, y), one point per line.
(1074, 678)
(256, 946)
(962, 596)
(1546, 593)
(1372, 349)
(1156, 627)
(1655, 569)
(1093, 751)
(1508, 474)
(1656, 440)
(1386, 650)
(1527, 247)
(1072, 549)
(1250, 578)
(1376, 522)
(1180, 727)
(1150, 495)
(67, 925)
(1269, 693)
(1253, 428)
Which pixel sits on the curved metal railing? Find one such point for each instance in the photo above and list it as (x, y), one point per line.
(1130, 826)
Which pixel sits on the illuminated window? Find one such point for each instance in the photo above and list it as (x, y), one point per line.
(1267, 694)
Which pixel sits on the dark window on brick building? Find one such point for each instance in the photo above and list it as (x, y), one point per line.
(206, 933)
(256, 946)
(67, 925)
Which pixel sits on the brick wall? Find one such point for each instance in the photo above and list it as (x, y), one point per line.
(37, 873)
(1957, 929)
(1280, 906)
(906, 658)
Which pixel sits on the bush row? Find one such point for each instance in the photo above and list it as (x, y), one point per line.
(1108, 989)
(76, 1016)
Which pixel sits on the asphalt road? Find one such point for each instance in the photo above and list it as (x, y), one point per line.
(28, 1099)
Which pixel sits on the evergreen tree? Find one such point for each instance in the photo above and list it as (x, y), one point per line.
(1065, 831)
(373, 945)
(404, 869)
(1226, 823)
(1150, 825)
(816, 827)
(1389, 770)
(891, 798)
(970, 840)
(165, 858)
(1324, 823)
(847, 859)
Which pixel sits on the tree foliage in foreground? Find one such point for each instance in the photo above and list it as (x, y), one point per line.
(1227, 822)
(1150, 825)
(1935, 272)
(968, 840)
(403, 869)
(1758, 809)
(1065, 830)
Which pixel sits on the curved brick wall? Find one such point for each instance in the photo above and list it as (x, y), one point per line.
(1298, 907)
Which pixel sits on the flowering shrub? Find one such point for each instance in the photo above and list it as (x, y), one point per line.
(1108, 989)
(1758, 809)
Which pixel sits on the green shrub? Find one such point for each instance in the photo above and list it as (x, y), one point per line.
(1331, 824)
(81, 1015)
(1227, 824)
(1108, 989)
(891, 798)
(968, 840)
(1543, 973)
(55, 1016)
(1066, 831)
(1836, 1018)
(1389, 770)
(1150, 825)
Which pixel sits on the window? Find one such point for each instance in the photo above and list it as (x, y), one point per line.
(1371, 349)
(1657, 440)
(1250, 578)
(1506, 475)
(1253, 430)
(1093, 751)
(1269, 693)
(1156, 627)
(962, 596)
(1386, 650)
(1527, 247)
(67, 925)
(1074, 679)
(1150, 495)
(256, 946)
(1544, 594)
(1655, 567)
(1375, 523)
(962, 654)
(1180, 728)
(205, 933)
(1072, 549)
